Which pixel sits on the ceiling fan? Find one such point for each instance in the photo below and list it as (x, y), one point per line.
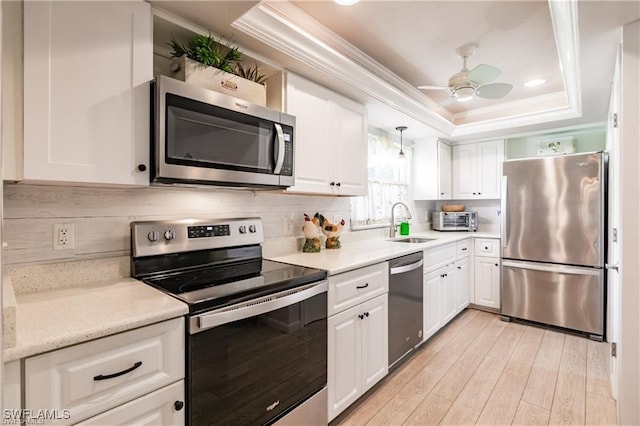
(464, 84)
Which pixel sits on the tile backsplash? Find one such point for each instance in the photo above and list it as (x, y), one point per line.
(101, 216)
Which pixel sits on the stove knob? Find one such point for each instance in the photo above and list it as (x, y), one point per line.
(243, 229)
(252, 229)
(169, 234)
(153, 236)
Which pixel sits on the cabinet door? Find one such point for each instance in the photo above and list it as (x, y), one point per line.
(375, 354)
(487, 282)
(431, 304)
(344, 369)
(444, 171)
(313, 168)
(462, 278)
(162, 407)
(489, 168)
(347, 147)
(87, 67)
(464, 172)
(448, 294)
(425, 170)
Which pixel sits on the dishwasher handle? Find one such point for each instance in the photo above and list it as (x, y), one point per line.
(405, 268)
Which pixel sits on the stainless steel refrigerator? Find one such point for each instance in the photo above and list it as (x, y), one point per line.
(553, 241)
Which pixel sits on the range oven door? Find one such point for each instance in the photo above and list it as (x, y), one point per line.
(254, 362)
(208, 137)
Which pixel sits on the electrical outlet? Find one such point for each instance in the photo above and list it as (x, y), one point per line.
(288, 226)
(63, 236)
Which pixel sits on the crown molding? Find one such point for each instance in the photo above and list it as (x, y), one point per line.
(286, 28)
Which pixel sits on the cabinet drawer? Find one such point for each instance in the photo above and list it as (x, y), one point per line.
(353, 287)
(154, 409)
(438, 257)
(487, 247)
(463, 249)
(93, 377)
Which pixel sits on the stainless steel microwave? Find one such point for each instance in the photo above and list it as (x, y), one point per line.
(455, 221)
(205, 137)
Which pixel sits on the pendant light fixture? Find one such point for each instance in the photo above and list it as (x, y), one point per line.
(401, 129)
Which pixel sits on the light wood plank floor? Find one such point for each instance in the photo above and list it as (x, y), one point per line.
(480, 370)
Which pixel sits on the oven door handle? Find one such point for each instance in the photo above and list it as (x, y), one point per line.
(255, 307)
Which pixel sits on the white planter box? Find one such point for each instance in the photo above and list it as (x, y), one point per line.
(195, 73)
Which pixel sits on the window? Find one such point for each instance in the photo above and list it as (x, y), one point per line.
(389, 178)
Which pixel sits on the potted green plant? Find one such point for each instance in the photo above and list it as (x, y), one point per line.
(215, 64)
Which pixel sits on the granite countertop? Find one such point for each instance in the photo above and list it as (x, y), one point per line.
(357, 254)
(59, 317)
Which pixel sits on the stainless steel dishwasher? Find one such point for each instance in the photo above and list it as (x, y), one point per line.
(405, 305)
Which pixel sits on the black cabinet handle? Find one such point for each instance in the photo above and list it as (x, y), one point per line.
(119, 373)
(486, 248)
(496, 264)
(178, 405)
(363, 286)
(142, 167)
(361, 316)
(459, 267)
(479, 193)
(332, 184)
(474, 193)
(366, 314)
(338, 184)
(464, 249)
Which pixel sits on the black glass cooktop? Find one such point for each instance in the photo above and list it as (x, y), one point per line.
(222, 285)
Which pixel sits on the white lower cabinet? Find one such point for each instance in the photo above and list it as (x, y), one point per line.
(446, 284)
(487, 273)
(463, 280)
(156, 408)
(142, 369)
(487, 282)
(357, 336)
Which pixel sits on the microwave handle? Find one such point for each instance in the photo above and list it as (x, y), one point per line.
(278, 148)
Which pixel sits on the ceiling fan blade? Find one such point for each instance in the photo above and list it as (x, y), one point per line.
(483, 74)
(447, 101)
(433, 88)
(493, 90)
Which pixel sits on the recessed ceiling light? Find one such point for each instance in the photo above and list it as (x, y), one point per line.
(346, 2)
(535, 82)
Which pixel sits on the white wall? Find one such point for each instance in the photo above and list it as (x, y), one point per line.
(101, 216)
(629, 345)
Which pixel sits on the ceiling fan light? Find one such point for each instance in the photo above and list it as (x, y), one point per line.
(464, 94)
(346, 2)
(535, 82)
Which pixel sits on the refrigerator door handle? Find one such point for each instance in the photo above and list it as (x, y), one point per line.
(503, 212)
(565, 269)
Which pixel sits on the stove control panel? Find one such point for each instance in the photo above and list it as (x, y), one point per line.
(151, 238)
(201, 231)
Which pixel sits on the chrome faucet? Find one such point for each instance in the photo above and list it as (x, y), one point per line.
(392, 229)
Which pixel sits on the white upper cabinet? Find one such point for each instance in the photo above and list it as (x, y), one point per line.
(477, 170)
(87, 67)
(330, 140)
(431, 171)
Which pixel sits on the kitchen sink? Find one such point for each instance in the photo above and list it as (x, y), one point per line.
(413, 240)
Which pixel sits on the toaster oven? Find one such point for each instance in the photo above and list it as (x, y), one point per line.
(455, 221)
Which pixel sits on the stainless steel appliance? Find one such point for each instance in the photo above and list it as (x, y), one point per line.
(553, 241)
(405, 305)
(455, 221)
(205, 137)
(256, 333)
